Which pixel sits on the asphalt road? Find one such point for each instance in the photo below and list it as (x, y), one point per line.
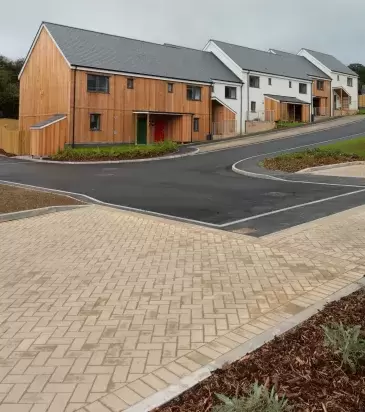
(201, 187)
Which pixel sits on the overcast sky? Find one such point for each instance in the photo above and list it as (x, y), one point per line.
(332, 26)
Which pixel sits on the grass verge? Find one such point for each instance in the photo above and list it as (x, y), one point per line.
(341, 152)
(16, 199)
(286, 125)
(123, 152)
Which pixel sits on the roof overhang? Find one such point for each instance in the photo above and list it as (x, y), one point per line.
(51, 120)
(286, 99)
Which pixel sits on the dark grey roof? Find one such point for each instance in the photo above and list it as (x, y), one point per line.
(104, 51)
(286, 99)
(269, 63)
(331, 62)
(47, 122)
(282, 53)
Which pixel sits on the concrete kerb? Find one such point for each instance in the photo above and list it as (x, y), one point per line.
(194, 151)
(334, 166)
(24, 214)
(162, 397)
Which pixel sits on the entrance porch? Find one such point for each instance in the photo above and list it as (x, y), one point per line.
(342, 102)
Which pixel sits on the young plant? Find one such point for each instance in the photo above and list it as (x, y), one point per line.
(346, 342)
(260, 399)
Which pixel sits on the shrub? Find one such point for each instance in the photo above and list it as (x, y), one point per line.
(260, 399)
(346, 342)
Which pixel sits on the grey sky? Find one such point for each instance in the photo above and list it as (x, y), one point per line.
(332, 26)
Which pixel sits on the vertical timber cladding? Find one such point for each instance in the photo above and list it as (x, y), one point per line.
(272, 106)
(44, 84)
(117, 109)
(324, 96)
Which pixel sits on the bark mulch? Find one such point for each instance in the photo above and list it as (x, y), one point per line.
(15, 199)
(3, 153)
(297, 364)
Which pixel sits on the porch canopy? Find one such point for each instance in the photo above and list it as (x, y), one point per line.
(287, 108)
(286, 99)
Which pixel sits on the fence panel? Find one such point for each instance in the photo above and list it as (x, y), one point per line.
(362, 100)
(225, 128)
(15, 141)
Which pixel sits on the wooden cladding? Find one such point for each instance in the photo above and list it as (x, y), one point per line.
(326, 92)
(273, 106)
(49, 139)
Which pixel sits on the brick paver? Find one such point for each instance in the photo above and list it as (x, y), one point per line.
(100, 308)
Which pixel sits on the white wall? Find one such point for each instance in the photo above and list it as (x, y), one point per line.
(279, 86)
(233, 104)
(338, 79)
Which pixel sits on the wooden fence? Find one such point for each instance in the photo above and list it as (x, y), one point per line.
(15, 141)
(362, 100)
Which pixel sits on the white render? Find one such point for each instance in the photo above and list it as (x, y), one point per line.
(338, 80)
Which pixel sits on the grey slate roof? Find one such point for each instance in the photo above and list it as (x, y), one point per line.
(50, 120)
(286, 99)
(265, 62)
(104, 51)
(331, 62)
(282, 53)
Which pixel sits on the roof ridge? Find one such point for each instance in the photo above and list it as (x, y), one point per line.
(244, 47)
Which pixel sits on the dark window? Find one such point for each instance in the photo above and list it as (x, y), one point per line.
(320, 85)
(255, 82)
(130, 83)
(302, 88)
(270, 81)
(194, 93)
(196, 125)
(253, 107)
(95, 122)
(349, 81)
(338, 77)
(231, 92)
(98, 84)
(289, 84)
(170, 87)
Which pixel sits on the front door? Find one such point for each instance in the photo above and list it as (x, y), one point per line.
(159, 130)
(142, 130)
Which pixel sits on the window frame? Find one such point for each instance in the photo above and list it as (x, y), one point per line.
(170, 87)
(252, 77)
(97, 88)
(290, 84)
(350, 82)
(130, 83)
(270, 81)
(320, 82)
(305, 86)
(228, 92)
(253, 103)
(98, 129)
(193, 88)
(196, 125)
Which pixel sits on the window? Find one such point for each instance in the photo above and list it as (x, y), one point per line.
(302, 88)
(231, 93)
(349, 81)
(196, 125)
(95, 122)
(270, 82)
(338, 77)
(194, 93)
(98, 84)
(350, 100)
(289, 84)
(130, 83)
(253, 107)
(255, 82)
(170, 87)
(320, 85)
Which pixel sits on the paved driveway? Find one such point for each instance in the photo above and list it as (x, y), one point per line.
(101, 308)
(201, 188)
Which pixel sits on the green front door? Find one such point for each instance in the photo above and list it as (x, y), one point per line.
(142, 130)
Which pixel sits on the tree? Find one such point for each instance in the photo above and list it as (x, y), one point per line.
(9, 86)
(359, 69)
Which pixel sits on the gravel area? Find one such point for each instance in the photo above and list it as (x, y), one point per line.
(15, 199)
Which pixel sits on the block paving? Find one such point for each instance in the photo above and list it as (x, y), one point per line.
(100, 308)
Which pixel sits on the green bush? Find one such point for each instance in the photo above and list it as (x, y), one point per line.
(260, 399)
(346, 342)
(115, 152)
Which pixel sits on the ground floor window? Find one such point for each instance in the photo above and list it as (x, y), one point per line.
(253, 107)
(95, 122)
(196, 125)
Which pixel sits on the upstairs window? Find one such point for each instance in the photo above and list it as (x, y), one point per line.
(130, 83)
(255, 82)
(349, 81)
(170, 87)
(270, 81)
(289, 84)
(231, 92)
(302, 88)
(194, 93)
(320, 85)
(99, 84)
(95, 122)
(338, 77)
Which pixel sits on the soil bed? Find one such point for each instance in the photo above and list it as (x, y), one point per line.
(3, 153)
(298, 364)
(15, 199)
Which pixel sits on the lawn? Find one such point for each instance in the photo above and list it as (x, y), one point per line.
(340, 152)
(15, 199)
(122, 152)
(318, 366)
(361, 111)
(285, 125)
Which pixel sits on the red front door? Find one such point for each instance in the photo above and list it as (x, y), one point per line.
(159, 130)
